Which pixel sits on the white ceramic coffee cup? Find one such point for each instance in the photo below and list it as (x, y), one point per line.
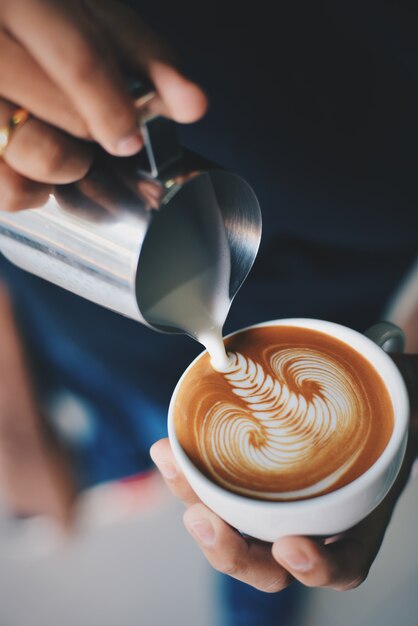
(333, 512)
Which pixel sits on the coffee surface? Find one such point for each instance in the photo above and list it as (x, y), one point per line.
(297, 414)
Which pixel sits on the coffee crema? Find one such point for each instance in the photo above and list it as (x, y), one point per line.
(297, 414)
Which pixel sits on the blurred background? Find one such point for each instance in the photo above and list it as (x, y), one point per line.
(145, 569)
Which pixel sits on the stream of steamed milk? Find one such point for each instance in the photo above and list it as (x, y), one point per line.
(199, 307)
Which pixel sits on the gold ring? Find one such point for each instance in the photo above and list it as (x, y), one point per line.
(17, 119)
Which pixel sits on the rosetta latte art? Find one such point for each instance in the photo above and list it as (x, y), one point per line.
(285, 426)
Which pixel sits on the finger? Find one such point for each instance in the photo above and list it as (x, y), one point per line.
(184, 102)
(17, 192)
(341, 565)
(229, 552)
(43, 153)
(341, 562)
(71, 52)
(24, 82)
(34, 479)
(163, 458)
(147, 55)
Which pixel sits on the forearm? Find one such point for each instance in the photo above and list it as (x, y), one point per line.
(33, 477)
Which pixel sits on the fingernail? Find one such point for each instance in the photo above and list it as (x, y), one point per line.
(203, 531)
(129, 145)
(297, 561)
(167, 469)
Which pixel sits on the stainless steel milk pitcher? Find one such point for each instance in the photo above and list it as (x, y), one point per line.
(127, 233)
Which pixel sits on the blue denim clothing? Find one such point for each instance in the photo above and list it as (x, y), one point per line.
(242, 605)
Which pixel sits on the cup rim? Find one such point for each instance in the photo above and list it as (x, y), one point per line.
(358, 484)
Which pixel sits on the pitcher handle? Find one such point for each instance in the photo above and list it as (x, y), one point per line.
(161, 141)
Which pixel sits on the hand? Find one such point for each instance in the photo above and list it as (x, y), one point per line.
(34, 477)
(38, 156)
(341, 562)
(65, 63)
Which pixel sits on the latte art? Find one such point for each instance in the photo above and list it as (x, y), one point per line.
(284, 422)
(288, 419)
